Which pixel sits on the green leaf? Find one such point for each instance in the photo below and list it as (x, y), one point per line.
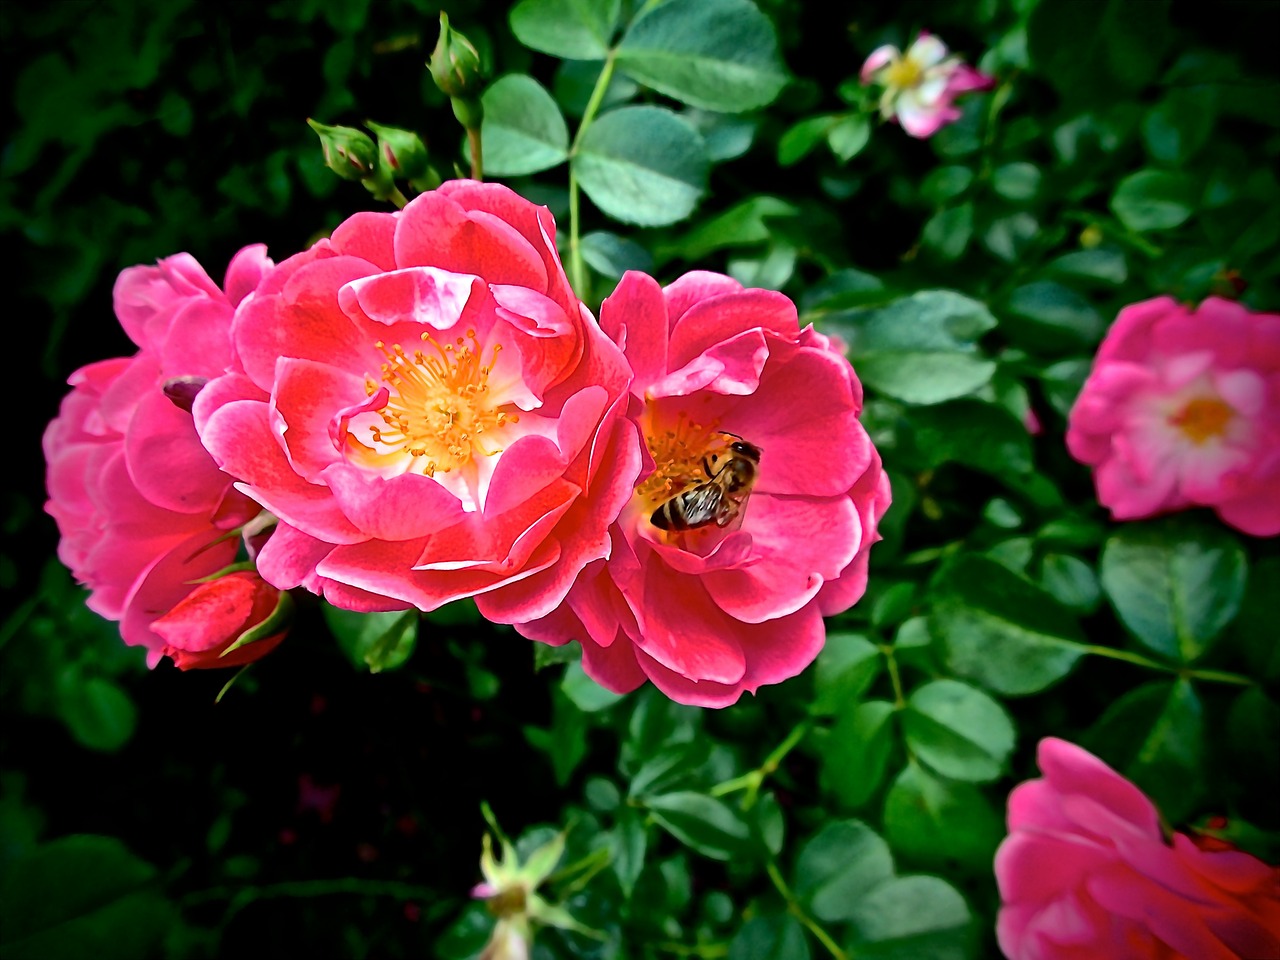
(856, 752)
(727, 136)
(703, 823)
(1174, 585)
(379, 641)
(642, 165)
(974, 433)
(1179, 125)
(1055, 315)
(918, 349)
(611, 255)
(1063, 380)
(1254, 629)
(1155, 736)
(570, 29)
(800, 138)
(715, 54)
(1071, 581)
(848, 136)
(1016, 181)
(934, 820)
(1009, 237)
(1154, 200)
(949, 231)
(82, 896)
(1000, 630)
(776, 936)
(958, 730)
(844, 861)
(1102, 265)
(744, 224)
(946, 183)
(523, 131)
(911, 918)
(585, 694)
(97, 710)
(844, 669)
(628, 842)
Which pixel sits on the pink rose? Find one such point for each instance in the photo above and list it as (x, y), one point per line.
(1180, 410)
(736, 601)
(429, 411)
(1086, 872)
(142, 509)
(921, 84)
(201, 627)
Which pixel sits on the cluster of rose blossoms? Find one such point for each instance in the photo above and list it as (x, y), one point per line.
(418, 409)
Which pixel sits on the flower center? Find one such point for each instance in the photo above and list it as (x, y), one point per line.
(903, 72)
(677, 454)
(440, 407)
(1203, 418)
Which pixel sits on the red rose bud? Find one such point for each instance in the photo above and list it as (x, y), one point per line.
(225, 623)
(400, 151)
(455, 63)
(347, 152)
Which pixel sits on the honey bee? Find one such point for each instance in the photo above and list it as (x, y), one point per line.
(720, 498)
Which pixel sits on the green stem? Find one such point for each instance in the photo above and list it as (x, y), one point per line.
(899, 698)
(477, 153)
(577, 266)
(797, 911)
(1137, 659)
(754, 779)
(398, 198)
(706, 950)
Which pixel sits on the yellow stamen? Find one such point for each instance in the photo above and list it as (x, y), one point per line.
(1203, 418)
(903, 72)
(678, 453)
(439, 405)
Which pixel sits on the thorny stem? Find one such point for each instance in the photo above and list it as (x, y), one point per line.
(797, 911)
(577, 266)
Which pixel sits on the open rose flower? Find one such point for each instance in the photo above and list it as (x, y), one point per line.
(1180, 411)
(428, 410)
(920, 86)
(1086, 872)
(736, 601)
(142, 509)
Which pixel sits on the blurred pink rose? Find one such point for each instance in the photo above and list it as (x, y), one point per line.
(1086, 872)
(1180, 410)
(429, 411)
(920, 86)
(141, 507)
(709, 612)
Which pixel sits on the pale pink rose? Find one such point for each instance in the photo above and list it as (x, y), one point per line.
(1182, 409)
(1087, 872)
(711, 612)
(920, 86)
(142, 509)
(429, 411)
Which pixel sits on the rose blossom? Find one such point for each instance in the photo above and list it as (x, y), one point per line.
(428, 410)
(142, 509)
(1086, 872)
(710, 612)
(921, 84)
(1180, 410)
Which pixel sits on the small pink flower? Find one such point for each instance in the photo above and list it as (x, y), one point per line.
(1180, 410)
(429, 411)
(709, 612)
(1086, 872)
(921, 84)
(141, 507)
(201, 627)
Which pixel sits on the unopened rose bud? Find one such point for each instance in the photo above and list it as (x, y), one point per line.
(403, 153)
(225, 622)
(348, 152)
(455, 63)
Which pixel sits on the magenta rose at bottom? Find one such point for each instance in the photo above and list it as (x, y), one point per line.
(759, 503)
(1087, 872)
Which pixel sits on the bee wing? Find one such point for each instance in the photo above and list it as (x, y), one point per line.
(702, 504)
